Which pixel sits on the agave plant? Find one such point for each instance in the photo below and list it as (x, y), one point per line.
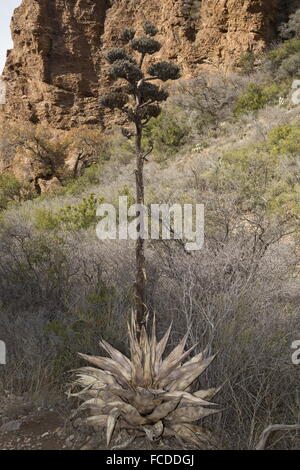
(146, 394)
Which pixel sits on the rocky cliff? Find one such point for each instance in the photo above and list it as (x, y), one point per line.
(55, 72)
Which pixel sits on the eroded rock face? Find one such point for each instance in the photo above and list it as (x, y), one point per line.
(56, 70)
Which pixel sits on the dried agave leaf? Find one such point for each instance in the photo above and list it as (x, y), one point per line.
(127, 395)
(176, 353)
(160, 349)
(97, 421)
(102, 376)
(198, 436)
(185, 398)
(153, 346)
(111, 423)
(134, 418)
(155, 431)
(144, 401)
(116, 355)
(209, 393)
(188, 373)
(109, 364)
(164, 377)
(92, 403)
(147, 368)
(188, 414)
(162, 411)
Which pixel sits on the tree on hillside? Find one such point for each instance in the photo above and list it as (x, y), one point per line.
(139, 99)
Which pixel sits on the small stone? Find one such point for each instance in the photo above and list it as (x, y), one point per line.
(11, 426)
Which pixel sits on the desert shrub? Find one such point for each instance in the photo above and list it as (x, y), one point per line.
(292, 27)
(91, 176)
(290, 67)
(125, 191)
(167, 132)
(71, 217)
(285, 140)
(239, 312)
(81, 216)
(45, 219)
(191, 9)
(257, 97)
(207, 100)
(282, 52)
(246, 64)
(30, 354)
(12, 190)
(78, 329)
(262, 182)
(33, 267)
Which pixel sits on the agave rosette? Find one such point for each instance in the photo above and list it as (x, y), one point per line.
(146, 394)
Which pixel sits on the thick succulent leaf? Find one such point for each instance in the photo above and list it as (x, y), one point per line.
(160, 349)
(144, 401)
(112, 366)
(127, 395)
(188, 414)
(98, 421)
(161, 411)
(86, 393)
(209, 393)
(136, 354)
(185, 398)
(153, 346)
(154, 431)
(198, 357)
(133, 418)
(86, 380)
(195, 359)
(92, 403)
(163, 377)
(147, 369)
(186, 374)
(101, 376)
(176, 353)
(191, 433)
(111, 424)
(117, 356)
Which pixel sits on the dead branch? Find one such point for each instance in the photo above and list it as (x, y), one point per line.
(273, 428)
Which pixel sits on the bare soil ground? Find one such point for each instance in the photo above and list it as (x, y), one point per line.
(48, 428)
(41, 431)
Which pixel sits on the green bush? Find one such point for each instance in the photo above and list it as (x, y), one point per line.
(167, 132)
(284, 140)
(260, 178)
(284, 51)
(257, 97)
(290, 67)
(70, 217)
(90, 177)
(81, 216)
(46, 219)
(246, 63)
(78, 330)
(11, 190)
